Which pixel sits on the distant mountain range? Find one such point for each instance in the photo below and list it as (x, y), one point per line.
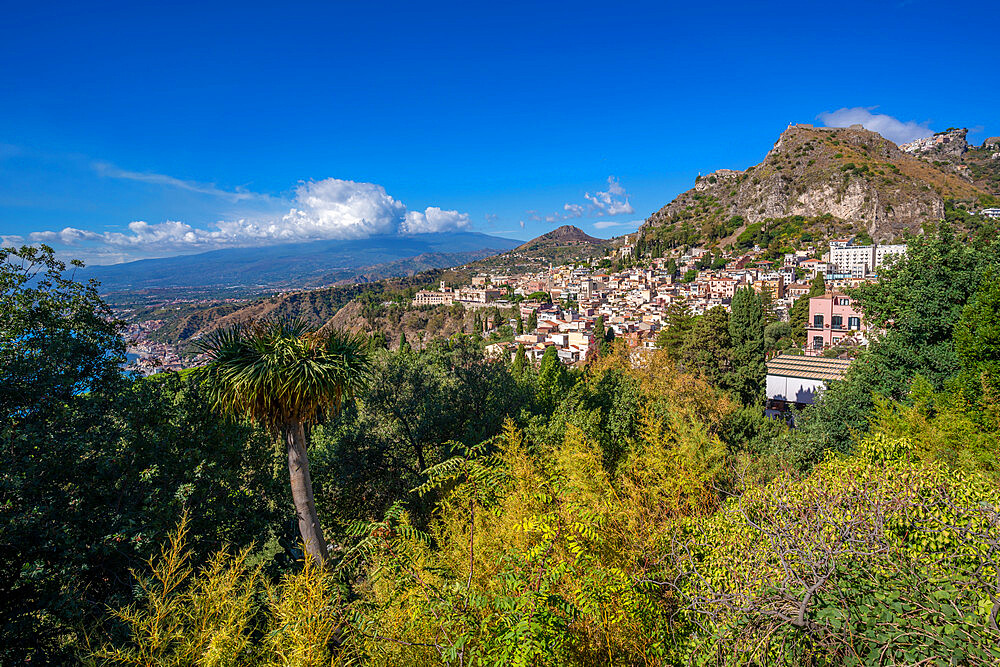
(864, 181)
(244, 271)
(323, 307)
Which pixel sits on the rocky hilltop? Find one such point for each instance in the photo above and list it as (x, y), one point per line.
(854, 175)
(950, 151)
(560, 236)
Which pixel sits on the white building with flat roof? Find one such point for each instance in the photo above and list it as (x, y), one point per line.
(890, 253)
(861, 260)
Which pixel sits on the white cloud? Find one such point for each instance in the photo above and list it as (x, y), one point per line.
(891, 128)
(328, 209)
(433, 220)
(333, 208)
(613, 201)
(604, 224)
(111, 171)
(569, 211)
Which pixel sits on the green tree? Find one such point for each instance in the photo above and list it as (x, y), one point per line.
(914, 308)
(746, 331)
(520, 362)
(407, 419)
(917, 302)
(777, 336)
(551, 376)
(285, 376)
(403, 346)
(977, 338)
(520, 324)
(378, 341)
(707, 350)
(533, 321)
(767, 306)
(679, 323)
(600, 336)
(98, 465)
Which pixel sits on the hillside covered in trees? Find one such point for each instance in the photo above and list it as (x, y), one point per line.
(478, 511)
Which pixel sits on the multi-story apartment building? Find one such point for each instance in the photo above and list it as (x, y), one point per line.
(723, 288)
(884, 253)
(776, 287)
(861, 260)
(855, 260)
(832, 318)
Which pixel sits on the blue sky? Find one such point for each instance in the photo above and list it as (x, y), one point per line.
(138, 130)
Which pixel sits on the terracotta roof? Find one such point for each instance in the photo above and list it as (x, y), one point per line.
(810, 368)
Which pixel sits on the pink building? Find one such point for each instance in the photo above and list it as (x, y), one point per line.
(832, 318)
(724, 288)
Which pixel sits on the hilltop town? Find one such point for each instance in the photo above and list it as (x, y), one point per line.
(562, 305)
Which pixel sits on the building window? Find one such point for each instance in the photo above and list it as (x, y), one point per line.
(843, 302)
(853, 322)
(837, 322)
(818, 321)
(817, 342)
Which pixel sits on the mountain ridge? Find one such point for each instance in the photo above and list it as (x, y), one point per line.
(852, 174)
(312, 264)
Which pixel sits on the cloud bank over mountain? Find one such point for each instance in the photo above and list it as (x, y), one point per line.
(327, 209)
(891, 128)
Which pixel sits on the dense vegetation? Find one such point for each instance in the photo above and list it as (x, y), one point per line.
(641, 511)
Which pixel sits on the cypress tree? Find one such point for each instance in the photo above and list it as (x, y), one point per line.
(746, 331)
(599, 336)
(550, 377)
(520, 362)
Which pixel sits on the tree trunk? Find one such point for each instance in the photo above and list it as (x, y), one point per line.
(302, 493)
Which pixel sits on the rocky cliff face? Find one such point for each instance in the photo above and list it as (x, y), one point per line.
(950, 151)
(853, 174)
(950, 144)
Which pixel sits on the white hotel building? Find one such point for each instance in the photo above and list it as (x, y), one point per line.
(861, 260)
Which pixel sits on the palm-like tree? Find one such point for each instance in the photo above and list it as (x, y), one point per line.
(285, 376)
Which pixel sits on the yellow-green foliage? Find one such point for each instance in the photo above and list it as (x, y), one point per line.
(943, 427)
(878, 554)
(225, 614)
(538, 555)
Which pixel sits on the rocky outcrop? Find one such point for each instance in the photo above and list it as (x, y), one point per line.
(947, 145)
(852, 174)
